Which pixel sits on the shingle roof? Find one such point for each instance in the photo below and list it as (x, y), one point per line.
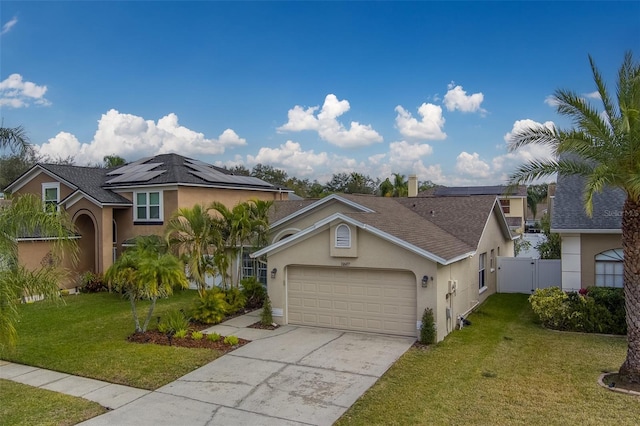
(88, 180)
(454, 229)
(463, 191)
(180, 170)
(568, 212)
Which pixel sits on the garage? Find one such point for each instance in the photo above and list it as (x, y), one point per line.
(371, 300)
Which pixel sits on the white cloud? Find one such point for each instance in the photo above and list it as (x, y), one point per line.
(132, 137)
(428, 128)
(328, 127)
(17, 93)
(551, 101)
(471, 165)
(525, 124)
(290, 157)
(9, 25)
(457, 99)
(592, 95)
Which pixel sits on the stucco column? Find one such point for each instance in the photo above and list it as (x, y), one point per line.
(105, 240)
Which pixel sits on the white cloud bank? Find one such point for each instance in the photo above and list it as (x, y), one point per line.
(17, 93)
(428, 128)
(457, 99)
(8, 26)
(132, 137)
(326, 123)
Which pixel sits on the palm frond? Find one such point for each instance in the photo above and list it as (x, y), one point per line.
(538, 135)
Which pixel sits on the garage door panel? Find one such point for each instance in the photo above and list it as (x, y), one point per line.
(353, 299)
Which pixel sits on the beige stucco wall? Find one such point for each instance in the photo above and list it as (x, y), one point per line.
(34, 186)
(33, 254)
(590, 246)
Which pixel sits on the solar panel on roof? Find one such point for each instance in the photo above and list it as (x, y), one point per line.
(137, 173)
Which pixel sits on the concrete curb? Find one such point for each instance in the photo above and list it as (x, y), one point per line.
(614, 389)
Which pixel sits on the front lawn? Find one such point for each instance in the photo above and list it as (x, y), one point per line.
(86, 336)
(25, 405)
(503, 369)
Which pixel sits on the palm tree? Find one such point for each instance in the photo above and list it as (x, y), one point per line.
(14, 138)
(604, 148)
(190, 232)
(400, 186)
(26, 216)
(146, 272)
(259, 215)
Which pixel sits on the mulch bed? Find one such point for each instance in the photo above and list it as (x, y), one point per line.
(261, 326)
(155, 337)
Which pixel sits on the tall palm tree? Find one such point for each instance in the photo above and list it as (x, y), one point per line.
(14, 138)
(259, 216)
(190, 232)
(400, 185)
(26, 216)
(146, 272)
(603, 146)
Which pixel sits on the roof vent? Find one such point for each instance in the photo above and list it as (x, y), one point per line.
(433, 213)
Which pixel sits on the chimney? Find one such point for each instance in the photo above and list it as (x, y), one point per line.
(413, 186)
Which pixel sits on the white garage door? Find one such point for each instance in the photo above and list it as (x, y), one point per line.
(378, 301)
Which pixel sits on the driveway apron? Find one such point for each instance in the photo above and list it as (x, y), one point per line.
(295, 376)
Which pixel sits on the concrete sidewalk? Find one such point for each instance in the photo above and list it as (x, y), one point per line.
(108, 395)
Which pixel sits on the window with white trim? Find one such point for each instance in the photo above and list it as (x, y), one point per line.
(148, 206)
(482, 283)
(609, 268)
(51, 195)
(254, 268)
(343, 236)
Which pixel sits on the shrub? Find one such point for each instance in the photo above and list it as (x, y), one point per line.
(197, 335)
(266, 318)
(235, 299)
(91, 283)
(596, 310)
(211, 308)
(180, 334)
(231, 340)
(214, 337)
(254, 292)
(173, 321)
(427, 329)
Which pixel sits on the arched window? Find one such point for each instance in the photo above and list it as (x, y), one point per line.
(609, 269)
(343, 236)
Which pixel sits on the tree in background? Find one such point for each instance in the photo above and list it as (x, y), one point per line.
(113, 161)
(14, 138)
(535, 195)
(551, 247)
(603, 146)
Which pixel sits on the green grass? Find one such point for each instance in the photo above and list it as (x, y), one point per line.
(502, 370)
(25, 405)
(86, 336)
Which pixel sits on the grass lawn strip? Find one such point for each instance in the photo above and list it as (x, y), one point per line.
(502, 370)
(87, 336)
(27, 405)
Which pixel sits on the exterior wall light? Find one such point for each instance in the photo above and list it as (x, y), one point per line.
(425, 281)
(273, 272)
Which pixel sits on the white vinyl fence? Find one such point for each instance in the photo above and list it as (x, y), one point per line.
(524, 274)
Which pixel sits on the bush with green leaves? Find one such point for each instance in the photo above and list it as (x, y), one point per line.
(595, 310)
(211, 308)
(173, 321)
(197, 335)
(254, 292)
(266, 318)
(231, 340)
(428, 328)
(180, 334)
(214, 337)
(235, 300)
(90, 282)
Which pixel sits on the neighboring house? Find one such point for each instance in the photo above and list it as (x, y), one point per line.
(374, 264)
(512, 200)
(591, 246)
(110, 207)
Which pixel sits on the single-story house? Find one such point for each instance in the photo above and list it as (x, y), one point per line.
(110, 207)
(374, 264)
(513, 200)
(591, 246)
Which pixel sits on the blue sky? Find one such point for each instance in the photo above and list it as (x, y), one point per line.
(314, 88)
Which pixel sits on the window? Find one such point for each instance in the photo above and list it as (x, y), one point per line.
(51, 195)
(254, 268)
(506, 206)
(609, 268)
(491, 261)
(343, 236)
(148, 206)
(481, 271)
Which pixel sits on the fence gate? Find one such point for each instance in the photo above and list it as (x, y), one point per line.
(524, 274)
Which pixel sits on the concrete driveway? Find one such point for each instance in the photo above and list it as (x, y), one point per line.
(295, 375)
